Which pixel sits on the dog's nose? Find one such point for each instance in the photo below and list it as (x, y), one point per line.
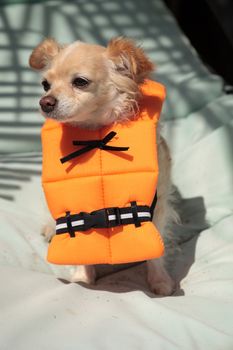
(48, 103)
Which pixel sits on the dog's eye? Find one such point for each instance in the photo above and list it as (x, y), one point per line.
(46, 85)
(80, 82)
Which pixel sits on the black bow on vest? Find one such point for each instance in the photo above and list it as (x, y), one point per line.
(91, 144)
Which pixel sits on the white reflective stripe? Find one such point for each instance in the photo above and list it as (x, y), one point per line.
(141, 214)
(59, 226)
(73, 223)
(126, 216)
(144, 214)
(77, 223)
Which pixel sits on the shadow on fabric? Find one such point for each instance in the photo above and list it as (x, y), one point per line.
(124, 278)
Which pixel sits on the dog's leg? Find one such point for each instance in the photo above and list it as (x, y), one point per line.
(49, 229)
(79, 273)
(84, 273)
(159, 280)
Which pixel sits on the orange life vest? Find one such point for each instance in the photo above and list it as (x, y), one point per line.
(100, 178)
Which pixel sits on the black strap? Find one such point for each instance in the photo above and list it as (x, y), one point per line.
(152, 207)
(69, 224)
(135, 214)
(91, 144)
(103, 218)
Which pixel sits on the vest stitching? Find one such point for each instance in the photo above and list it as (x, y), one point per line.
(110, 174)
(103, 196)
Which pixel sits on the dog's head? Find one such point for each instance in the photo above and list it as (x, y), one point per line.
(90, 85)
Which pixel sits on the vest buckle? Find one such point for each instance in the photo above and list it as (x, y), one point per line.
(96, 219)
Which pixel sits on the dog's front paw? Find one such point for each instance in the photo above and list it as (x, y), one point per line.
(161, 285)
(163, 288)
(83, 273)
(48, 231)
(158, 278)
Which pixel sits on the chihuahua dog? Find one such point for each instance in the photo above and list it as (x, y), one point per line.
(91, 86)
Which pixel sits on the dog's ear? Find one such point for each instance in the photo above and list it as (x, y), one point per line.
(44, 53)
(129, 59)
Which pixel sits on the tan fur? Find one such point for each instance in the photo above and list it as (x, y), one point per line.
(44, 53)
(130, 59)
(113, 94)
